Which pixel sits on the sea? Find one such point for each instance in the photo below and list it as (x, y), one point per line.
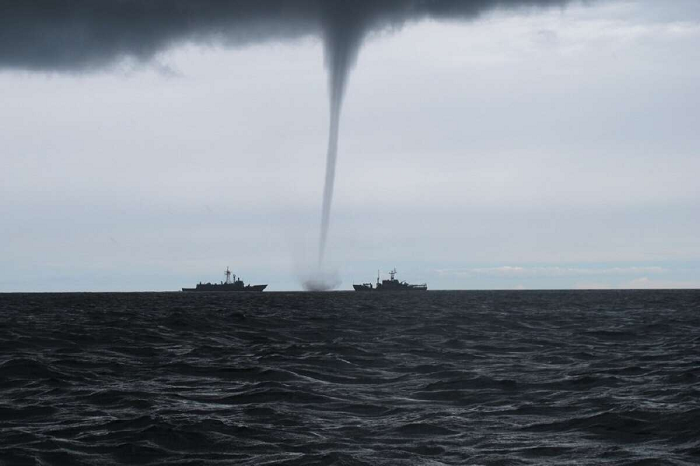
(343, 378)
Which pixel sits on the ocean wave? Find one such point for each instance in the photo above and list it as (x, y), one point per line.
(344, 378)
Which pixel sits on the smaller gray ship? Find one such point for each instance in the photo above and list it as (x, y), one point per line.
(229, 285)
(390, 285)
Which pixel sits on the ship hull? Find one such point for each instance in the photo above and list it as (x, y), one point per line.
(394, 290)
(362, 288)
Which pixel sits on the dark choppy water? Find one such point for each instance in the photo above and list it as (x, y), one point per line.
(494, 378)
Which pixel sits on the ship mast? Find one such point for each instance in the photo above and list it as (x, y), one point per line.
(392, 273)
(228, 276)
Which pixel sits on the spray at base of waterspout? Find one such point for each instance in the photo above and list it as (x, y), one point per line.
(321, 280)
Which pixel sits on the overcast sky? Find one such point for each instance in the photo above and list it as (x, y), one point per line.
(536, 148)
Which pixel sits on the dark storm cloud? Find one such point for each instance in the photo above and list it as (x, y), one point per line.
(75, 35)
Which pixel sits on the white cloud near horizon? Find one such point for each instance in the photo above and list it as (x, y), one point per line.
(551, 271)
(642, 283)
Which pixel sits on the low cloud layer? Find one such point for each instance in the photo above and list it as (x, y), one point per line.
(76, 35)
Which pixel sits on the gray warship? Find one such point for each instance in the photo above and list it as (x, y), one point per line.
(229, 285)
(390, 285)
